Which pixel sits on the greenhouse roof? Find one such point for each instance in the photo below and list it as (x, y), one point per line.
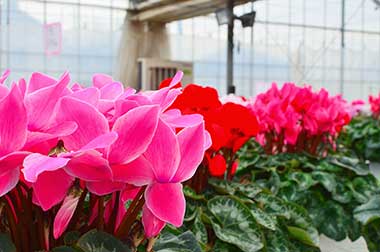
(172, 10)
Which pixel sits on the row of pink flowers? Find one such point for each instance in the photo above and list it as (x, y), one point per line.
(105, 139)
(375, 105)
(295, 117)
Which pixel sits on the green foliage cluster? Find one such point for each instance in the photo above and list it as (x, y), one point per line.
(362, 137)
(339, 193)
(243, 217)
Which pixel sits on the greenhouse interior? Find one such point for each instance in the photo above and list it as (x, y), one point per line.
(190, 125)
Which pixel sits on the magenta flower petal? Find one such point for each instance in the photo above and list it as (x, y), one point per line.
(164, 153)
(41, 103)
(90, 95)
(12, 161)
(35, 164)
(39, 80)
(51, 188)
(138, 172)
(191, 142)
(64, 215)
(91, 123)
(22, 86)
(208, 140)
(8, 181)
(105, 106)
(3, 91)
(13, 122)
(111, 91)
(4, 76)
(123, 106)
(104, 187)
(176, 79)
(170, 98)
(100, 80)
(164, 97)
(135, 130)
(152, 225)
(60, 130)
(166, 202)
(89, 166)
(175, 119)
(140, 99)
(100, 142)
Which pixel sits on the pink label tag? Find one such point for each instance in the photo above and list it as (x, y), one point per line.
(53, 38)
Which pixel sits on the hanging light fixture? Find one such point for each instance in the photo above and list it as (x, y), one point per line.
(248, 19)
(377, 2)
(223, 16)
(226, 16)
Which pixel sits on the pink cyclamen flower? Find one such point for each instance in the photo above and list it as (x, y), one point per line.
(13, 133)
(293, 114)
(170, 159)
(81, 155)
(375, 105)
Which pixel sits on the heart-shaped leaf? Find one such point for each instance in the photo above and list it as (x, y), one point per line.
(98, 241)
(185, 242)
(235, 224)
(368, 211)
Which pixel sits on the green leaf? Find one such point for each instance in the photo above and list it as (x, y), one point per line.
(189, 192)
(278, 241)
(272, 205)
(224, 247)
(274, 182)
(368, 211)
(326, 166)
(64, 249)
(355, 229)
(264, 219)
(371, 233)
(372, 150)
(185, 242)
(227, 187)
(235, 224)
(334, 221)
(304, 180)
(301, 235)
(342, 193)
(98, 241)
(326, 179)
(353, 164)
(300, 217)
(191, 211)
(6, 244)
(289, 191)
(362, 188)
(199, 229)
(71, 238)
(302, 247)
(222, 186)
(250, 190)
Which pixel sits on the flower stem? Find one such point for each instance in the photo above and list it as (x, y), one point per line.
(112, 221)
(12, 225)
(132, 213)
(100, 225)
